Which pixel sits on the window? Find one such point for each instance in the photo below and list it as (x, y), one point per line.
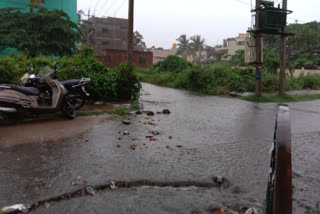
(105, 43)
(241, 43)
(142, 60)
(104, 30)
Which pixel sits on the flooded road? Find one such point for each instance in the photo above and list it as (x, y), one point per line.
(211, 136)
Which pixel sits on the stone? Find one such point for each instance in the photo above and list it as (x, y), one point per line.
(166, 111)
(126, 121)
(150, 113)
(90, 191)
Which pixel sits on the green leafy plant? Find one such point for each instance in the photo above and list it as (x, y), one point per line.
(106, 84)
(43, 32)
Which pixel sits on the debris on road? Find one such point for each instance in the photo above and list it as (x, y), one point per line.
(150, 113)
(217, 210)
(138, 112)
(126, 121)
(14, 208)
(90, 191)
(133, 146)
(112, 185)
(251, 211)
(166, 111)
(47, 205)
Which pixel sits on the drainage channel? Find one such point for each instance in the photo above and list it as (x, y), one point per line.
(114, 185)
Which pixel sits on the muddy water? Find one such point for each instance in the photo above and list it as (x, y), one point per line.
(216, 137)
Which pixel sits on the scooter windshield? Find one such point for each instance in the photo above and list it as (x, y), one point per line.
(45, 70)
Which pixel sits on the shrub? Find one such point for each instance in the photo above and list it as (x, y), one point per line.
(173, 64)
(106, 84)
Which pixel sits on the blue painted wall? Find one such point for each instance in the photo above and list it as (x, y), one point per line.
(69, 6)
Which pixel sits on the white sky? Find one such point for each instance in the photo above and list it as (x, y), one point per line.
(161, 22)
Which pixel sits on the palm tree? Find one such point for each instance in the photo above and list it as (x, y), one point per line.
(197, 43)
(183, 46)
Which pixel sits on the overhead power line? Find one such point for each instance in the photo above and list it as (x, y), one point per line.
(104, 5)
(95, 7)
(121, 6)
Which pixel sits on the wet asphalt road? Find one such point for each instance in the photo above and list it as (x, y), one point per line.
(219, 137)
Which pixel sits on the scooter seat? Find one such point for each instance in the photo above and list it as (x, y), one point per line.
(71, 82)
(25, 90)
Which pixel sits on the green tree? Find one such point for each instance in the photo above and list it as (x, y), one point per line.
(238, 58)
(43, 32)
(183, 46)
(137, 40)
(197, 43)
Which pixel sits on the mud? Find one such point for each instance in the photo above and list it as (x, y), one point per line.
(52, 129)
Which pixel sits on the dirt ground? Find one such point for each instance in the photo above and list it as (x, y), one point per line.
(52, 129)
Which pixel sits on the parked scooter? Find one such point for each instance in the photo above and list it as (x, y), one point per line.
(50, 97)
(76, 87)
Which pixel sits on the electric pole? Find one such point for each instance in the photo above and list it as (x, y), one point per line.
(258, 49)
(130, 33)
(283, 63)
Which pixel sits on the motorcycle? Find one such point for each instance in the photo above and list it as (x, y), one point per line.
(76, 87)
(49, 97)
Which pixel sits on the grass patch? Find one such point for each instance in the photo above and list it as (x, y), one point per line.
(278, 98)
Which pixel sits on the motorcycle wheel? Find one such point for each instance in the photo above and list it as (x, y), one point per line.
(77, 100)
(8, 118)
(68, 110)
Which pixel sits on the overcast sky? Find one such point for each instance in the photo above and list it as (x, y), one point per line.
(161, 22)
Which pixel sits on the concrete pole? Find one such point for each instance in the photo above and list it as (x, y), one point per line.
(130, 32)
(283, 63)
(258, 50)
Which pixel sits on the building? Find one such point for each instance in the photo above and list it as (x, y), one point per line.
(113, 58)
(106, 34)
(160, 54)
(231, 46)
(109, 37)
(68, 6)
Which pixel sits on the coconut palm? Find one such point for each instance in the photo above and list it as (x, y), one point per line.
(183, 46)
(197, 43)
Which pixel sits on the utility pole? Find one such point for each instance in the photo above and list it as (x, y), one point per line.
(130, 33)
(258, 49)
(88, 28)
(283, 63)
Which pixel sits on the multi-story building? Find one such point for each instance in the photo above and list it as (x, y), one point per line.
(68, 6)
(106, 34)
(232, 45)
(109, 37)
